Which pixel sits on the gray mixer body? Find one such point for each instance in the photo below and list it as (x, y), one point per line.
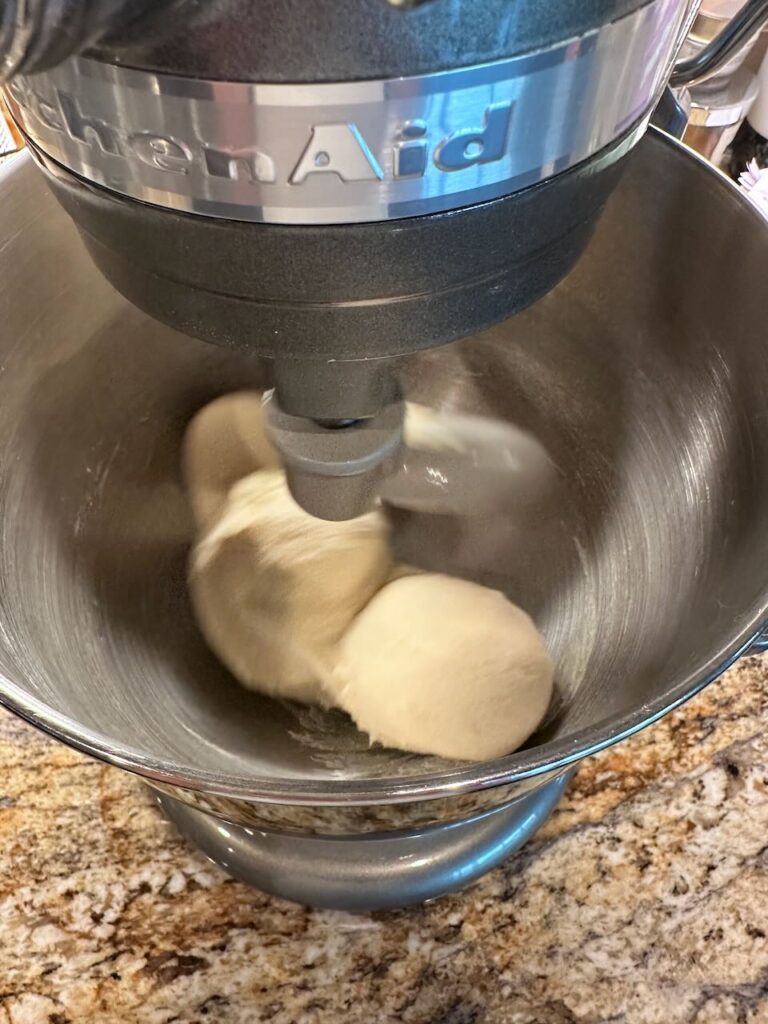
(469, 146)
(335, 184)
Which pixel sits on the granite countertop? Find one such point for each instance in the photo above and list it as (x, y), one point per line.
(643, 900)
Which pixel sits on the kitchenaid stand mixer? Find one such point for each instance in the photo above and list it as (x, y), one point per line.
(334, 186)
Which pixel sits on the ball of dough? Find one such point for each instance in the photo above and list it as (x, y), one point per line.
(438, 665)
(274, 589)
(224, 442)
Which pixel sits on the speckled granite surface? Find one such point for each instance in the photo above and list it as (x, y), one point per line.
(644, 900)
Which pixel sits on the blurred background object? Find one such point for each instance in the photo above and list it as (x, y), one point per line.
(10, 140)
(718, 104)
(749, 153)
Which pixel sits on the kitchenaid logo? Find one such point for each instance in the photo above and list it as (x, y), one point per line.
(337, 149)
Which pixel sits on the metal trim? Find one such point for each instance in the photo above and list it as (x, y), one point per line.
(350, 151)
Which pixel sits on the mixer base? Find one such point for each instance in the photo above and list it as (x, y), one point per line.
(368, 872)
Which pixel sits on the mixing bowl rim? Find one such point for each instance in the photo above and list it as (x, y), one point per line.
(550, 757)
(455, 780)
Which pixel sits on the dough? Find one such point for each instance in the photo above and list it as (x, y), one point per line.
(438, 665)
(224, 442)
(317, 611)
(274, 589)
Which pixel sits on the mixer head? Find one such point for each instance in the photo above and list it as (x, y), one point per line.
(334, 184)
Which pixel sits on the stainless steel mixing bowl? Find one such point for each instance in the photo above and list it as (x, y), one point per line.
(645, 374)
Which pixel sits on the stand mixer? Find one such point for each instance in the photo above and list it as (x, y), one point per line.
(336, 186)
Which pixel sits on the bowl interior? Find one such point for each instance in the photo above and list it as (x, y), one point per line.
(644, 373)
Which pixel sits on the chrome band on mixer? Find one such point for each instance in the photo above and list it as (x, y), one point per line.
(351, 151)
